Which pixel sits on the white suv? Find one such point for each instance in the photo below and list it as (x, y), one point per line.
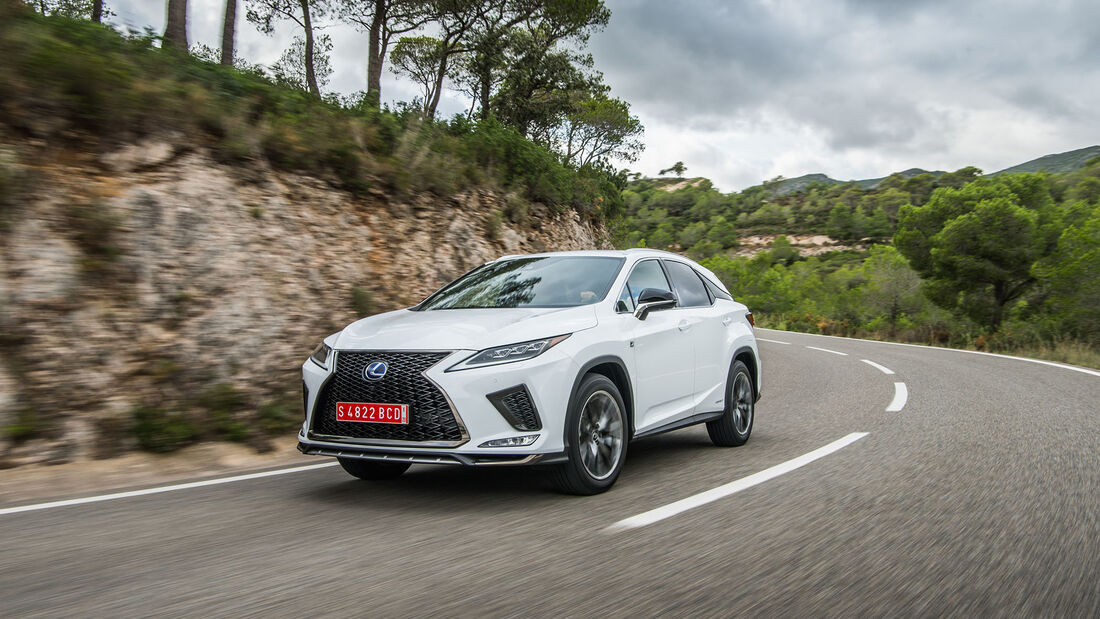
(557, 359)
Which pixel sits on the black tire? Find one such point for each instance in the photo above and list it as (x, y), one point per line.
(597, 411)
(373, 469)
(733, 428)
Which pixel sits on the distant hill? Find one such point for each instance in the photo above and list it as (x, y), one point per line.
(794, 185)
(871, 183)
(1057, 164)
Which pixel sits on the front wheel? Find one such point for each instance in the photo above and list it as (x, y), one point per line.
(373, 469)
(595, 438)
(734, 426)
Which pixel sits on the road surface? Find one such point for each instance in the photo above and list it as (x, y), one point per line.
(956, 483)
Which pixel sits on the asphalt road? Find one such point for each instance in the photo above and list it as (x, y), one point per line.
(981, 496)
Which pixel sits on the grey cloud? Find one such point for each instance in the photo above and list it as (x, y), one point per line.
(861, 74)
(858, 80)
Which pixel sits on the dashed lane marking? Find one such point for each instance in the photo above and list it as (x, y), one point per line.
(760, 339)
(881, 368)
(844, 354)
(901, 394)
(691, 502)
(1064, 366)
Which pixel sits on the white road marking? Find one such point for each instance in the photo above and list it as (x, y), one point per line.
(158, 490)
(881, 368)
(691, 502)
(1064, 366)
(901, 394)
(827, 350)
(760, 339)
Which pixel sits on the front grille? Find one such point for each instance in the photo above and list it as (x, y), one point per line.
(516, 407)
(430, 416)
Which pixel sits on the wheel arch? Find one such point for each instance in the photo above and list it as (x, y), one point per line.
(614, 369)
(746, 355)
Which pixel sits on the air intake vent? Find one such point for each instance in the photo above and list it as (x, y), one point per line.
(517, 408)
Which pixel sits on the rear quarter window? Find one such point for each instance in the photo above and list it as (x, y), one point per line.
(689, 286)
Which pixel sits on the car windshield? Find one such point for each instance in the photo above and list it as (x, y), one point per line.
(537, 281)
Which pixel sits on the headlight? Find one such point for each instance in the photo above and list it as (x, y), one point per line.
(321, 355)
(508, 354)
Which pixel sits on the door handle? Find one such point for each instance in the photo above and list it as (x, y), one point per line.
(726, 321)
(684, 325)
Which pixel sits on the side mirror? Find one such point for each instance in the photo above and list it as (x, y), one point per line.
(652, 299)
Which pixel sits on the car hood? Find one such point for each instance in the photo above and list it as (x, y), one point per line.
(454, 329)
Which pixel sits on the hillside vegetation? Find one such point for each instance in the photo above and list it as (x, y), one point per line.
(1008, 262)
(74, 81)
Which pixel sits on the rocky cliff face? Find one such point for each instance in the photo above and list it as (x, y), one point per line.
(155, 278)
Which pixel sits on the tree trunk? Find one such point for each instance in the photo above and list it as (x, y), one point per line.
(375, 54)
(485, 90)
(175, 31)
(97, 11)
(229, 32)
(429, 107)
(311, 77)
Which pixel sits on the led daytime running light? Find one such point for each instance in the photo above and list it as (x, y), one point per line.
(508, 354)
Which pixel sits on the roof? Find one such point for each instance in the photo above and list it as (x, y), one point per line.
(619, 253)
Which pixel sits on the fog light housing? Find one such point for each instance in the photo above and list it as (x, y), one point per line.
(514, 441)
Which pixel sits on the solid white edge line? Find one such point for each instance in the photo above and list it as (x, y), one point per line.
(901, 395)
(1054, 364)
(881, 368)
(691, 502)
(827, 350)
(762, 339)
(159, 489)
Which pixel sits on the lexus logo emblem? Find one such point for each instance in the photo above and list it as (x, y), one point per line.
(375, 370)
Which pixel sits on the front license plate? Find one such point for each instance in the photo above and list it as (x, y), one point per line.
(372, 413)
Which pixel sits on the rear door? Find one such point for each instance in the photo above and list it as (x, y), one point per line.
(663, 359)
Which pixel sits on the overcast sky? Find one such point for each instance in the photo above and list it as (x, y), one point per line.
(746, 90)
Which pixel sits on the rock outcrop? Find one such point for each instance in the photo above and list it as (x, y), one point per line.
(145, 276)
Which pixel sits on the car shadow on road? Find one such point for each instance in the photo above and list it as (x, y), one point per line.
(454, 488)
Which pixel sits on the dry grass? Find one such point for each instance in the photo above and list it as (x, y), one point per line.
(1069, 351)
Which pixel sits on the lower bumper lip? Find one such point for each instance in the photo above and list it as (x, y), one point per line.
(426, 457)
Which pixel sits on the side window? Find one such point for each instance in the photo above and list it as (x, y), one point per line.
(691, 290)
(646, 274)
(715, 291)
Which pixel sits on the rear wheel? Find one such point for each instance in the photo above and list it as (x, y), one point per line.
(595, 438)
(373, 469)
(734, 426)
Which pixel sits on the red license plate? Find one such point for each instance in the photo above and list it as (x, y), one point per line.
(372, 413)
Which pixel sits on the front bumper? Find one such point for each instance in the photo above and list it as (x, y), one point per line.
(547, 378)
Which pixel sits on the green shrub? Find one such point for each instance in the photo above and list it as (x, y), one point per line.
(222, 403)
(160, 430)
(95, 227)
(492, 224)
(26, 425)
(278, 417)
(516, 209)
(221, 397)
(362, 301)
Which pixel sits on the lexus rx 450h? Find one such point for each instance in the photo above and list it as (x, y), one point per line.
(557, 359)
